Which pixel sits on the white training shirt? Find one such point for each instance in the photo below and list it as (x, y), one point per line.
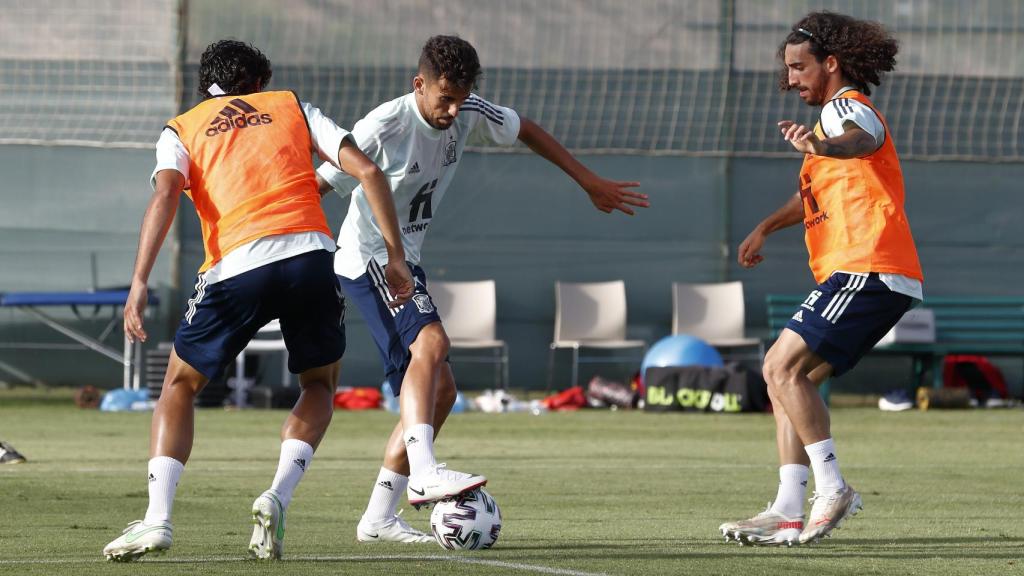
(327, 137)
(838, 111)
(419, 162)
(834, 113)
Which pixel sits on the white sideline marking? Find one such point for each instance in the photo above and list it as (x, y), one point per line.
(434, 557)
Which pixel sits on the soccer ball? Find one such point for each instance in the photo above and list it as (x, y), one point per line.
(469, 521)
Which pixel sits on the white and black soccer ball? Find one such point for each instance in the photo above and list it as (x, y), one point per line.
(470, 521)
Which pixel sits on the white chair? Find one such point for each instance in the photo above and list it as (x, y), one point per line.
(714, 313)
(469, 313)
(590, 315)
(261, 346)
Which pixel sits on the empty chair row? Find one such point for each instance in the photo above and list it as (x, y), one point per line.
(588, 315)
(593, 315)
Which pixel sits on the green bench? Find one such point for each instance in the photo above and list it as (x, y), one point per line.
(982, 325)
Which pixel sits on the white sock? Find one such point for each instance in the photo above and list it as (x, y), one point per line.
(295, 458)
(827, 478)
(419, 446)
(164, 473)
(792, 489)
(387, 492)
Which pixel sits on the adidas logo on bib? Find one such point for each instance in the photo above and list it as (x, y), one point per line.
(415, 168)
(238, 114)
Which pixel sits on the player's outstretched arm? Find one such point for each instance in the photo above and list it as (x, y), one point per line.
(792, 212)
(378, 194)
(606, 195)
(854, 142)
(155, 224)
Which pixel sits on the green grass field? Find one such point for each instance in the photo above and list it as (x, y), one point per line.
(585, 493)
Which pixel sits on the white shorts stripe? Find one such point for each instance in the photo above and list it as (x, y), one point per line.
(195, 300)
(377, 275)
(839, 295)
(839, 312)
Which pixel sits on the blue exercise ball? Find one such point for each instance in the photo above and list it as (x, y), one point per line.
(680, 350)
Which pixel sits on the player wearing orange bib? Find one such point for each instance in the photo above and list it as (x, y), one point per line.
(244, 158)
(850, 202)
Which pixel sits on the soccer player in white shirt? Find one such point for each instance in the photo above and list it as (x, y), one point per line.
(418, 140)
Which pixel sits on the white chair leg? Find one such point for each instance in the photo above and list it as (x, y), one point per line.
(504, 367)
(497, 367)
(240, 366)
(240, 387)
(551, 369)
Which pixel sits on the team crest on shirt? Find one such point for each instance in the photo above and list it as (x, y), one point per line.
(423, 303)
(449, 153)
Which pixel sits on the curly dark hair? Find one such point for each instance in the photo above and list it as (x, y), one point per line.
(864, 49)
(451, 58)
(238, 68)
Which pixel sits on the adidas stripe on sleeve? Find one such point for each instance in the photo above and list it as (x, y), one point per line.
(496, 124)
(841, 110)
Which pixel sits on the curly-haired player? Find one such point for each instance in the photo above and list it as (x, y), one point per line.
(850, 202)
(244, 157)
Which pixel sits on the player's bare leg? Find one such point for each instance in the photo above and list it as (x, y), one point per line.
(173, 424)
(301, 434)
(381, 522)
(309, 419)
(428, 480)
(170, 444)
(422, 376)
(782, 522)
(788, 369)
(395, 457)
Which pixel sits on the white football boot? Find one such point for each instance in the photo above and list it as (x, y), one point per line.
(439, 483)
(268, 514)
(769, 528)
(8, 455)
(139, 539)
(828, 511)
(395, 529)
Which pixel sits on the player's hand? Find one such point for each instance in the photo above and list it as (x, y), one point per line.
(399, 281)
(134, 312)
(801, 137)
(608, 195)
(749, 253)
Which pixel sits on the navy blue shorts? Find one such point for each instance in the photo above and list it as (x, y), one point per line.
(221, 318)
(393, 329)
(846, 316)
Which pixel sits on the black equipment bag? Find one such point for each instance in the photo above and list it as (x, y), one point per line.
(731, 388)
